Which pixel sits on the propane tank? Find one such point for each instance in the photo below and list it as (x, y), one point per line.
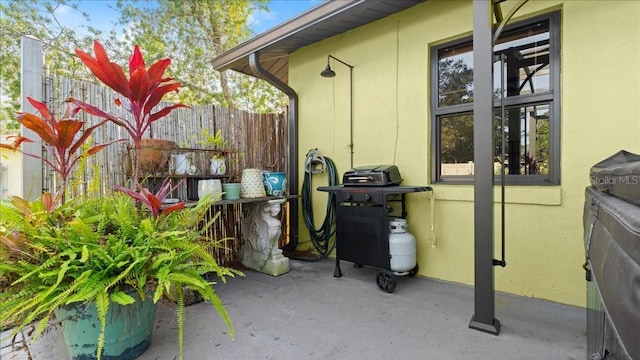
(402, 246)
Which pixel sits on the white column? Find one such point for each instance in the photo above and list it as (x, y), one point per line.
(31, 85)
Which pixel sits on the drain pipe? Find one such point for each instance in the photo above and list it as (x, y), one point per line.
(259, 71)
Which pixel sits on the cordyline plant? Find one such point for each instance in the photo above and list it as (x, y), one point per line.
(62, 139)
(54, 255)
(142, 92)
(153, 202)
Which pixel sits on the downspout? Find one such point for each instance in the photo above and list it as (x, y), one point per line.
(259, 71)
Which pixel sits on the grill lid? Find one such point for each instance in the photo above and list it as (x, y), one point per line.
(372, 175)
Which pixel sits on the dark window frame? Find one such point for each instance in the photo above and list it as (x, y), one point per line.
(550, 97)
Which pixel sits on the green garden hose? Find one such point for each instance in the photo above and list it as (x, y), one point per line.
(320, 237)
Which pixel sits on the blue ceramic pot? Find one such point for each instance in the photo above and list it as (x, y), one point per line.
(127, 333)
(275, 183)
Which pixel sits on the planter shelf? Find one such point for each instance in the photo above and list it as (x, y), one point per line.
(160, 164)
(199, 159)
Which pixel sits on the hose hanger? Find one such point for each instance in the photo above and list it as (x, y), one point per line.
(320, 237)
(314, 162)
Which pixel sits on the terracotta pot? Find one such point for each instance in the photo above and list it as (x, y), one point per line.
(154, 155)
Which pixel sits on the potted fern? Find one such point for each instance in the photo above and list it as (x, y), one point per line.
(94, 254)
(101, 264)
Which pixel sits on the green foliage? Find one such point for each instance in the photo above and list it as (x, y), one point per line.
(93, 249)
(38, 18)
(200, 30)
(455, 86)
(212, 141)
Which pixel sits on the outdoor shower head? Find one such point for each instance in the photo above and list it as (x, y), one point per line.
(327, 72)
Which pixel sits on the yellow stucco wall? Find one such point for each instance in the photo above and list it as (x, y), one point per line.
(11, 163)
(600, 114)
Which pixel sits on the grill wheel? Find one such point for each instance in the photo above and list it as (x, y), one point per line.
(386, 281)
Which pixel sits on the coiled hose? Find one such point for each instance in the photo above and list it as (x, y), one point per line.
(320, 237)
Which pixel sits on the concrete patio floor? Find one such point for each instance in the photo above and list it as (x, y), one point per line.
(309, 314)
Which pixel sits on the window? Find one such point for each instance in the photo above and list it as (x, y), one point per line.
(526, 75)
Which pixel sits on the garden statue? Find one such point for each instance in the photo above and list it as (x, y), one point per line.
(261, 230)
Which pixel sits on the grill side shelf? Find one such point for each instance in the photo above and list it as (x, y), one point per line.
(399, 189)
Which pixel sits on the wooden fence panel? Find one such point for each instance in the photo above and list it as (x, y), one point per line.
(253, 140)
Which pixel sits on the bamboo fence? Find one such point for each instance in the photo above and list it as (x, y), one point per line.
(253, 141)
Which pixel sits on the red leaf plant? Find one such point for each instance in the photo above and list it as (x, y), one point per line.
(153, 202)
(62, 139)
(172, 255)
(142, 91)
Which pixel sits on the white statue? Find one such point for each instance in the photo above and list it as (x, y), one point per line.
(261, 230)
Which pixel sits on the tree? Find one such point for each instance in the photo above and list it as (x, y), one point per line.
(193, 33)
(37, 18)
(455, 85)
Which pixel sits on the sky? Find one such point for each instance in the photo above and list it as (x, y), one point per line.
(279, 12)
(103, 13)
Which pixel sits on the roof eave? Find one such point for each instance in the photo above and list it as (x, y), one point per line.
(231, 58)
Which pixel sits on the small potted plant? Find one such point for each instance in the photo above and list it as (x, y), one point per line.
(97, 253)
(215, 142)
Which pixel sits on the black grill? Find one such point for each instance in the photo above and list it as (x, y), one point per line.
(374, 175)
(362, 216)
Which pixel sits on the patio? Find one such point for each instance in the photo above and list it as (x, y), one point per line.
(308, 314)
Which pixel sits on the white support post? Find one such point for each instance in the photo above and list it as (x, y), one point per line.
(31, 85)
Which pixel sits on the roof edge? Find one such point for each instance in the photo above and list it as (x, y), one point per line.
(314, 15)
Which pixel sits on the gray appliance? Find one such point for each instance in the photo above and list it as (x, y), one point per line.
(612, 244)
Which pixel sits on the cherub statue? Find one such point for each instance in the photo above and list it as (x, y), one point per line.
(261, 230)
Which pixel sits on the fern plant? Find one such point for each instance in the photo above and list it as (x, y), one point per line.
(96, 249)
(59, 251)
